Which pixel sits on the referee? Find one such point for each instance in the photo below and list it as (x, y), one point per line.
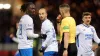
(67, 32)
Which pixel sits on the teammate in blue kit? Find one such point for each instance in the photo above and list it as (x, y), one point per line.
(85, 34)
(49, 45)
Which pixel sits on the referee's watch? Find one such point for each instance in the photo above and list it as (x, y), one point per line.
(65, 48)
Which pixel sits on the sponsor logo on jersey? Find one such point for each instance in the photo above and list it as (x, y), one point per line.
(88, 36)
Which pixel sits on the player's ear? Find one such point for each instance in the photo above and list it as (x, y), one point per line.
(83, 19)
(26, 11)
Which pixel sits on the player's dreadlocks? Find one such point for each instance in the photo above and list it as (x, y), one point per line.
(25, 6)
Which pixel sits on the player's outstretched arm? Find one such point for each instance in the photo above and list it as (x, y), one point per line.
(30, 34)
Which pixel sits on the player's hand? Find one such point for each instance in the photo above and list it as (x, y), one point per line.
(43, 36)
(11, 35)
(94, 47)
(42, 49)
(65, 53)
(58, 41)
(59, 17)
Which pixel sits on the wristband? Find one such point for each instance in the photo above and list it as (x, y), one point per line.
(65, 48)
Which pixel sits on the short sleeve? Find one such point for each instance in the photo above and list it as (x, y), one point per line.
(46, 27)
(65, 26)
(77, 30)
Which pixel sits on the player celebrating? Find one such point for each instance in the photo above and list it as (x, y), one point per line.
(25, 30)
(49, 45)
(85, 34)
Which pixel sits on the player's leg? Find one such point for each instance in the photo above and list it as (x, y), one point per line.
(26, 52)
(50, 53)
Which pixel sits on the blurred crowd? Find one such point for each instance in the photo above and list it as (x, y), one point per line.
(8, 20)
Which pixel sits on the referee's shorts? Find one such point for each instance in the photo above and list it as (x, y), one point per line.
(72, 49)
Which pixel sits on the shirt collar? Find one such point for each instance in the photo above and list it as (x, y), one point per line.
(86, 25)
(45, 20)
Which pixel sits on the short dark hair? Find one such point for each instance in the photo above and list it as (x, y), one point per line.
(64, 5)
(25, 6)
(44, 9)
(86, 14)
